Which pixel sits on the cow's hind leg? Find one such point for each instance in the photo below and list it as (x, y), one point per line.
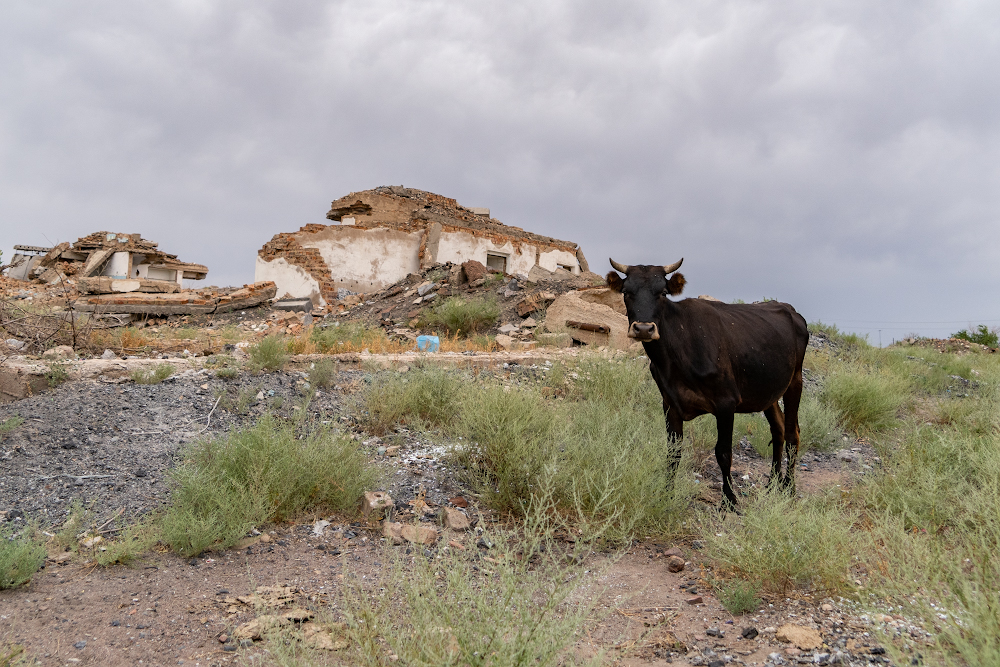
(777, 423)
(724, 455)
(791, 399)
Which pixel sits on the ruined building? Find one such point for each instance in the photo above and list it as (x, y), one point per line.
(108, 255)
(380, 236)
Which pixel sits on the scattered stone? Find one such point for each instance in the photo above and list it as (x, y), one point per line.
(392, 450)
(508, 329)
(258, 626)
(715, 632)
(674, 551)
(425, 287)
(58, 352)
(374, 505)
(80, 645)
(474, 270)
(750, 633)
(115, 623)
(792, 651)
(91, 542)
(419, 534)
(504, 341)
(803, 637)
(456, 545)
(265, 538)
(769, 630)
(484, 543)
(675, 564)
(454, 519)
(297, 615)
(325, 637)
(459, 501)
(223, 638)
(108, 354)
(697, 599)
(319, 527)
(827, 607)
(15, 344)
(393, 530)
(529, 323)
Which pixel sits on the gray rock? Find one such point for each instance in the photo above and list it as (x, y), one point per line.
(15, 344)
(108, 354)
(425, 287)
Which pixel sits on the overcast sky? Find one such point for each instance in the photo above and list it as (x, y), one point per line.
(841, 156)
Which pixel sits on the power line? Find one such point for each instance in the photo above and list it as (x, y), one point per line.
(876, 322)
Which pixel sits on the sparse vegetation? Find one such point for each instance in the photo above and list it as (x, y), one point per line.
(21, 555)
(778, 543)
(323, 373)
(159, 373)
(9, 424)
(264, 473)
(270, 354)
(512, 610)
(349, 337)
(133, 542)
(739, 597)
(56, 374)
(422, 398)
(463, 316)
(867, 401)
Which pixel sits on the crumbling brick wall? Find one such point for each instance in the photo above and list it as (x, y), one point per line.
(310, 260)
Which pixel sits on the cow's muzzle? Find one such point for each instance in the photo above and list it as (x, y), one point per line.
(644, 331)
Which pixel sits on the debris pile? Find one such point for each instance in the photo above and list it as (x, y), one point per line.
(127, 262)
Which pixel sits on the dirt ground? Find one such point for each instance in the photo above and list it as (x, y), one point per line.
(110, 444)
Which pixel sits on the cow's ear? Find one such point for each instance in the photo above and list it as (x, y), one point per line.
(615, 281)
(676, 284)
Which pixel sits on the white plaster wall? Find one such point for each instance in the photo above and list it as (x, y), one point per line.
(552, 258)
(366, 260)
(459, 247)
(290, 279)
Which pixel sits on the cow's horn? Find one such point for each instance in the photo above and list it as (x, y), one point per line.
(671, 268)
(619, 267)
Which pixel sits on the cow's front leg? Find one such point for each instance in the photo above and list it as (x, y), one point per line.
(724, 455)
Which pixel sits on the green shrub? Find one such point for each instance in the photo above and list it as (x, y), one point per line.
(323, 373)
(134, 541)
(9, 424)
(20, 556)
(463, 316)
(865, 401)
(818, 429)
(421, 398)
(739, 597)
(264, 473)
(508, 436)
(270, 354)
(57, 374)
(981, 335)
(756, 429)
(778, 543)
(228, 373)
(604, 454)
(160, 373)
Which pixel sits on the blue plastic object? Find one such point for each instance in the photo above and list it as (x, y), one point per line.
(428, 343)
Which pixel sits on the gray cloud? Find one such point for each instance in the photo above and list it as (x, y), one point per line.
(838, 155)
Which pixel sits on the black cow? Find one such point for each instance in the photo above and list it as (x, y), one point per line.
(709, 357)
